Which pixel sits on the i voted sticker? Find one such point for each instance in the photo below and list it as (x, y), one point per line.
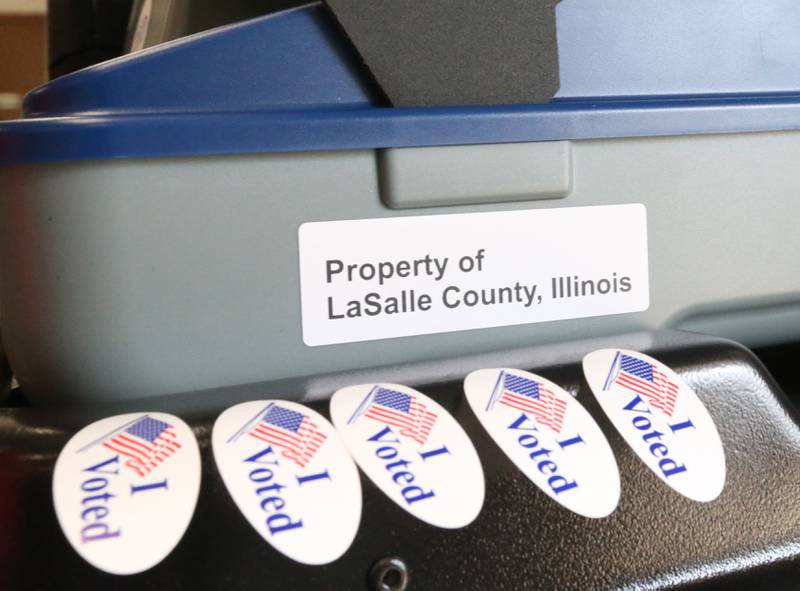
(413, 450)
(125, 489)
(661, 419)
(549, 436)
(291, 478)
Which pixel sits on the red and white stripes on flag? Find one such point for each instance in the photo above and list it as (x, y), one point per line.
(401, 410)
(146, 444)
(535, 399)
(292, 432)
(644, 378)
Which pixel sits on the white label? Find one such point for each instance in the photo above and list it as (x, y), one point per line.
(392, 277)
(125, 489)
(549, 436)
(413, 450)
(661, 418)
(291, 477)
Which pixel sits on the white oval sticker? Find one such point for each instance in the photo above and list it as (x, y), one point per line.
(661, 419)
(125, 489)
(548, 435)
(291, 477)
(413, 450)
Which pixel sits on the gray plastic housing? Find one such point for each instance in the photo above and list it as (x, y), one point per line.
(138, 277)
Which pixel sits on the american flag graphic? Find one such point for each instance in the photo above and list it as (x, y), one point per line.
(402, 411)
(643, 378)
(146, 443)
(533, 398)
(292, 432)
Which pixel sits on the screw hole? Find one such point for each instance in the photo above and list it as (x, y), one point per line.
(392, 578)
(389, 574)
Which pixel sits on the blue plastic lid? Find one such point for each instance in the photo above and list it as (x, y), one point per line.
(291, 82)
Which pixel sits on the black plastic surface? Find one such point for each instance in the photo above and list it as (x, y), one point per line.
(471, 52)
(522, 540)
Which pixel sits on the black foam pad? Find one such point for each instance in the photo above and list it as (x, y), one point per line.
(456, 52)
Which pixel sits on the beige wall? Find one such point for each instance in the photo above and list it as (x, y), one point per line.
(23, 52)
